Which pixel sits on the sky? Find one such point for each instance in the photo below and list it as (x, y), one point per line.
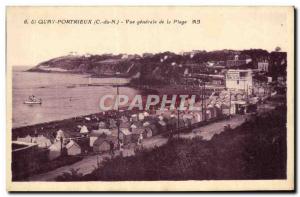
(220, 28)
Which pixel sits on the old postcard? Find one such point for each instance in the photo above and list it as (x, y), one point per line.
(150, 98)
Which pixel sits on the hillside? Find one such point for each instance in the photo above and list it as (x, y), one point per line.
(157, 68)
(97, 65)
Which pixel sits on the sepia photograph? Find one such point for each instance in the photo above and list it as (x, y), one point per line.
(150, 98)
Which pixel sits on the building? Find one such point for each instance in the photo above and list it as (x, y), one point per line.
(263, 66)
(236, 62)
(239, 80)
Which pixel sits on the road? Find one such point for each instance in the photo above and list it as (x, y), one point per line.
(85, 166)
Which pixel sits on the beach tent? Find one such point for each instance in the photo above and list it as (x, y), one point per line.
(103, 144)
(94, 135)
(160, 117)
(145, 124)
(196, 118)
(125, 135)
(42, 141)
(136, 133)
(114, 132)
(92, 140)
(162, 126)
(133, 126)
(124, 118)
(146, 114)
(102, 125)
(162, 123)
(141, 116)
(73, 148)
(137, 124)
(134, 117)
(128, 152)
(100, 132)
(27, 139)
(55, 150)
(59, 134)
(210, 113)
(150, 131)
(84, 130)
(112, 123)
(187, 118)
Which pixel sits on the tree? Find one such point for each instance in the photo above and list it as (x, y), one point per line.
(277, 49)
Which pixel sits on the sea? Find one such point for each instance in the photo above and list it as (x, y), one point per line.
(63, 95)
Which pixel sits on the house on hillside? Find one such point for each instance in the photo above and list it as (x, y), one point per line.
(237, 61)
(240, 80)
(263, 66)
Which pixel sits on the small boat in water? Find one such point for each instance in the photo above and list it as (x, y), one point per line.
(33, 100)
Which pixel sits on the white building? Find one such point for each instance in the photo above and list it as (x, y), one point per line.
(239, 80)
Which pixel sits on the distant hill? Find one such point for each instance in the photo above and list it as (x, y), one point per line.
(156, 68)
(97, 65)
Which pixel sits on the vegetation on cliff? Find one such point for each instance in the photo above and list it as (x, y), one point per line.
(150, 67)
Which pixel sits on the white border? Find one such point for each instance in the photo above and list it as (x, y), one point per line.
(4, 3)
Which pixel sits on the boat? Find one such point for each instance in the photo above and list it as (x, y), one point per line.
(33, 100)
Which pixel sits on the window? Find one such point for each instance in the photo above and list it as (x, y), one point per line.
(243, 74)
(237, 82)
